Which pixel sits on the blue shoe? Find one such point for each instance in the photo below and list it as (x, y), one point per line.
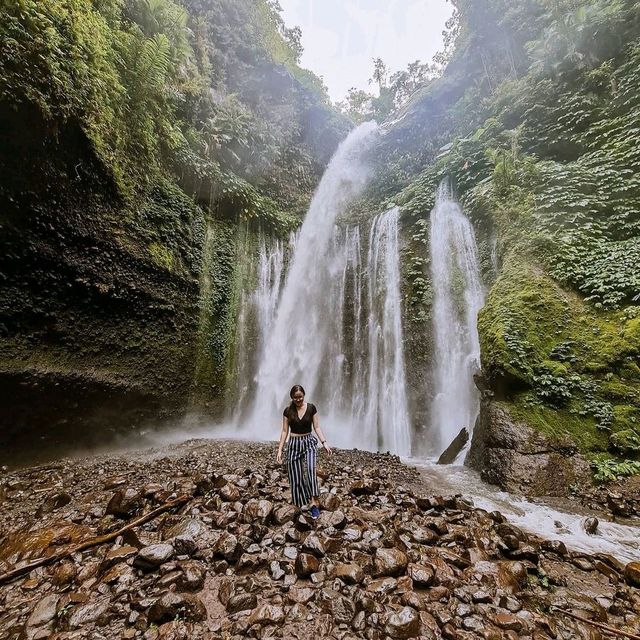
(315, 512)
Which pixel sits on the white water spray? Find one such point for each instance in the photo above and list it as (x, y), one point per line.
(458, 297)
(337, 329)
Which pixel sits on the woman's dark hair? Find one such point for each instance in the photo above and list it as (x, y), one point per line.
(292, 409)
(295, 389)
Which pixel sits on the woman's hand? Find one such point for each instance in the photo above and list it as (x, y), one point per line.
(326, 447)
(279, 457)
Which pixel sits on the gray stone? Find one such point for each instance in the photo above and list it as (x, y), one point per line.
(390, 562)
(154, 555)
(44, 611)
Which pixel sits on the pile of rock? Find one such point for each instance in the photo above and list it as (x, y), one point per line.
(384, 560)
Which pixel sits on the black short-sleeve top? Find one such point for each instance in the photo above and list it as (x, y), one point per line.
(300, 426)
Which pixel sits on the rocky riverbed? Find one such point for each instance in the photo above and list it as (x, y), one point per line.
(386, 559)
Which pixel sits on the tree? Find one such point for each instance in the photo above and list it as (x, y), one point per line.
(380, 72)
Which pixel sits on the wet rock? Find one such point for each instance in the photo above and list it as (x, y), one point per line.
(227, 547)
(366, 487)
(95, 611)
(421, 575)
(177, 605)
(230, 493)
(449, 455)
(567, 599)
(124, 503)
(53, 503)
(284, 514)
(618, 505)
(44, 612)
(329, 501)
(301, 595)
(267, 614)
(314, 545)
(242, 602)
(349, 573)
(590, 525)
(583, 564)
(306, 564)
(390, 562)
(117, 555)
(404, 624)
(64, 573)
(258, 511)
(632, 574)
(153, 556)
(191, 527)
(382, 586)
(422, 535)
(554, 546)
(184, 545)
(191, 577)
(508, 621)
(303, 522)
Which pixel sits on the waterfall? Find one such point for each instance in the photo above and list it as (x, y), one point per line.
(257, 310)
(325, 325)
(458, 297)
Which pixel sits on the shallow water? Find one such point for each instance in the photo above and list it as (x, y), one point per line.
(540, 518)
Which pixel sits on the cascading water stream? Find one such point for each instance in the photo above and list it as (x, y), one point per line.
(292, 351)
(458, 297)
(343, 344)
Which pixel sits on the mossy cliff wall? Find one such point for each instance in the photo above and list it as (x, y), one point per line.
(537, 126)
(139, 143)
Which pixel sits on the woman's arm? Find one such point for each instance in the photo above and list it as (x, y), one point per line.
(283, 437)
(318, 430)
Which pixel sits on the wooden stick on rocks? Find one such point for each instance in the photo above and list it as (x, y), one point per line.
(92, 542)
(599, 625)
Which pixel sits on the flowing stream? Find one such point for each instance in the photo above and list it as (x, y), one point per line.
(458, 297)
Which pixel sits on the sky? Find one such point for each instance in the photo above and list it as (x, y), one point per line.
(341, 37)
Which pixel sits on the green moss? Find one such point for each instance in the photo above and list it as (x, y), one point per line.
(558, 424)
(626, 417)
(573, 360)
(626, 442)
(161, 256)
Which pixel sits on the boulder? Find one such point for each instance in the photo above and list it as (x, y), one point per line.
(390, 562)
(173, 605)
(403, 624)
(520, 459)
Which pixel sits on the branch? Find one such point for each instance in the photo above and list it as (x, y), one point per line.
(605, 627)
(12, 575)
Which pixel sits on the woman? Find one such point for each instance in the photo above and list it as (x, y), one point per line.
(298, 420)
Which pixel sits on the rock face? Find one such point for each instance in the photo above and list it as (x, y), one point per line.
(519, 459)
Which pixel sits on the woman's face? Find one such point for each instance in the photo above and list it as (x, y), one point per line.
(298, 398)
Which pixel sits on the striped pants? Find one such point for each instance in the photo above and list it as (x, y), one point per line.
(300, 456)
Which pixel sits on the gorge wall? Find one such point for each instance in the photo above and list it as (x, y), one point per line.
(143, 145)
(148, 146)
(535, 120)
